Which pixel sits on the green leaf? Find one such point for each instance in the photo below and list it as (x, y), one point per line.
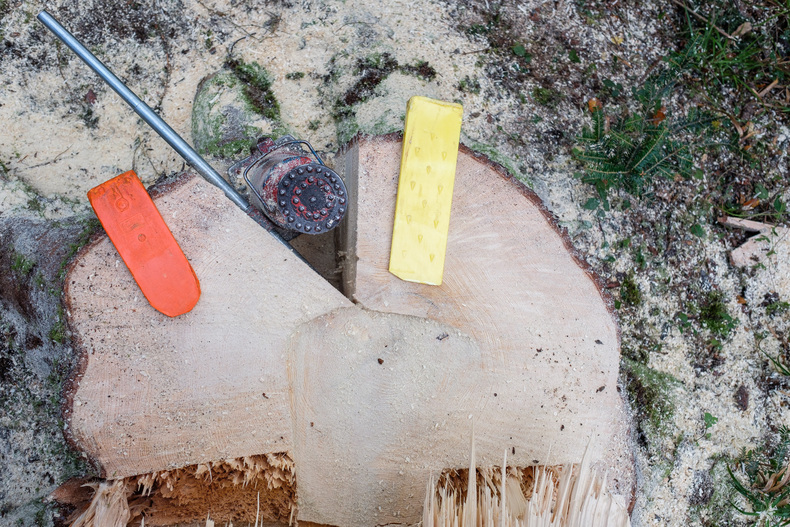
(697, 231)
(520, 50)
(591, 204)
(779, 206)
(574, 56)
(710, 420)
(614, 87)
(760, 192)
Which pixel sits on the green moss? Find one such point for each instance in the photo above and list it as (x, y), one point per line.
(346, 129)
(232, 148)
(635, 353)
(35, 205)
(498, 157)
(225, 129)
(41, 517)
(4, 10)
(717, 509)
(421, 69)
(651, 396)
(629, 292)
(385, 125)
(371, 71)
(208, 123)
(57, 333)
(294, 76)
(22, 264)
(469, 85)
(257, 87)
(546, 96)
(377, 61)
(776, 308)
(90, 119)
(89, 226)
(714, 316)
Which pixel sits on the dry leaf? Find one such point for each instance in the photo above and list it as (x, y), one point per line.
(618, 39)
(740, 299)
(768, 88)
(594, 104)
(737, 127)
(621, 59)
(660, 115)
(742, 29)
(751, 204)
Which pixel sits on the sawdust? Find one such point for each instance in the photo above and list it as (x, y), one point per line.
(53, 150)
(61, 151)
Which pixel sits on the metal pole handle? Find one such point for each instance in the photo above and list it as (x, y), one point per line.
(145, 112)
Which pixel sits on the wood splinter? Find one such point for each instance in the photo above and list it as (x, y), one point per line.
(757, 248)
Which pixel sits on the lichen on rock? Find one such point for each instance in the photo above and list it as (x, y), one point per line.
(234, 107)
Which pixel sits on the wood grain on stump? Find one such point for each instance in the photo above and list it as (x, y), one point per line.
(517, 345)
(158, 392)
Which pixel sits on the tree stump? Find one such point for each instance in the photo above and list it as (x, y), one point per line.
(518, 346)
(156, 393)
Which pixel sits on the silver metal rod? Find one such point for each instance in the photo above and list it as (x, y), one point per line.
(146, 113)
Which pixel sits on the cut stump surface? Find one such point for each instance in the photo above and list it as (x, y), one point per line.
(518, 345)
(156, 392)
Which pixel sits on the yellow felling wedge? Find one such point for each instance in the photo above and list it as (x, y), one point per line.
(425, 190)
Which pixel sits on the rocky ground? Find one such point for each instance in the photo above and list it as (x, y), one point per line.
(696, 330)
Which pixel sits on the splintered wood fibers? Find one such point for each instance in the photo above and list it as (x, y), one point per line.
(259, 490)
(235, 490)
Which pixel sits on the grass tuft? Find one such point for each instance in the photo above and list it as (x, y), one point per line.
(764, 494)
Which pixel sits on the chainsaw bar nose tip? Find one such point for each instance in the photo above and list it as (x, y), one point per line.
(313, 202)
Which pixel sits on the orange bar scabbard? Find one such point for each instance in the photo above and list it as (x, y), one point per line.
(145, 244)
